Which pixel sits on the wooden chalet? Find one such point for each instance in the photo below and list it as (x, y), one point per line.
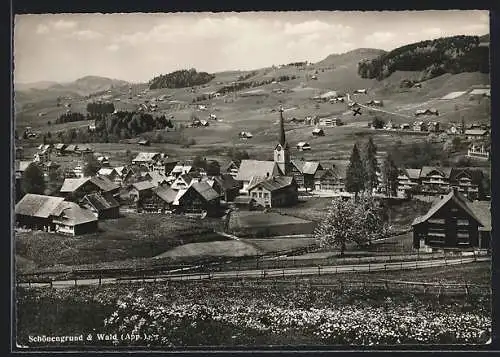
(71, 219)
(318, 132)
(277, 191)
(227, 187)
(161, 200)
(304, 172)
(230, 168)
(140, 190)
(330, 180)
(76, 188)
(199, 198)
(35, 212)
(452, 222)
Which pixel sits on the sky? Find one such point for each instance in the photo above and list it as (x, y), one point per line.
(137, 47)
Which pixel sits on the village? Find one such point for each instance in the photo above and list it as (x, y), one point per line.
(346, 200)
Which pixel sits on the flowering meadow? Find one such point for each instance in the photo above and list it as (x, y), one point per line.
(218, 314)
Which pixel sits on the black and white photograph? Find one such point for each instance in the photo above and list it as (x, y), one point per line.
(242, 180)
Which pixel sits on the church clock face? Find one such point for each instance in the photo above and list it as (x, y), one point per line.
(278, 148)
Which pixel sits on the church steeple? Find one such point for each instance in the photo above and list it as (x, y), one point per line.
(282, 129)
(282, 151)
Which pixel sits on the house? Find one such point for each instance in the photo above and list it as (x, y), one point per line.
(49, 167)
(230, 168)
(146, 159)
(419, 126)
(181, 169)
(435, 180)
(77, 188)
(405, 126)
(160, 201)
(361, 91)
(204, 123)
(318, 132)
(245, 202)
(456, 129)
(375, 103)
(468, 182)
(277, 191)
(144, 142)
(430, 111)
(183, 181)
(42, 155)
(35, 211)
(101, 206)
(304, 172)
(156, 178)
(330, 122)
(20, 166)
(108, 172)
(303, 146)
(85, 150)
(227, 187)
(103, 160)
(451, 222)
(199, 198)
(482, 210)
(92, 126)
(69, 218)
(475, 134)
(389, 125)
(408, 180)
(256, 168)
(330, 180)
(123, 175)
(169, 166)
(19, 152)
(478, 151)
(433, 126)
(140, 190)
(245, 135)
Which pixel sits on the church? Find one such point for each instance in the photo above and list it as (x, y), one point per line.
(280, 175)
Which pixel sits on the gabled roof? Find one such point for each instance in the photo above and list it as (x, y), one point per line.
(157, 178)
(120, 170)
(85, 148)
(251, 168)
(273, 184)
(71, 214)
(307, 167)
(445, 171)
(226, 166)
(105, 171)
(205, 190)
(226, 181)
(60, 146)
(146, 156)
(37, 205)
(181, 169)
(104, 183)
(482, 210)
(71, 147)
(72, 184)
(454, 196)
(101, 202)
(143, 185)
(476, 132)
(167, 194)
(413, 173)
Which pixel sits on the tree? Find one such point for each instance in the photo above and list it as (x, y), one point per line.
(213, 168)
(371, 165)
(378, 123)
(390, 176)
(355, 175)
(91, 166)
(32, 180)
(350, 221)
(199, 162)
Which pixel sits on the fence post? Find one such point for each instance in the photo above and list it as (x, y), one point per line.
(369, 267)
(29, 283)
(100, 280)
(75, 281)
(319, 270)
(283, 272)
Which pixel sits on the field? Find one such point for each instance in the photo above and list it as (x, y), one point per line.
(305, 311)
(123, 239)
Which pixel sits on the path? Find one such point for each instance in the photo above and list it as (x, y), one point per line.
(259, 273)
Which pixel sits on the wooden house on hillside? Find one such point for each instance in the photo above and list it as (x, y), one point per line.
(275, 192)
(330, 180)
(101, 206)
(452, 222)
(304, 172)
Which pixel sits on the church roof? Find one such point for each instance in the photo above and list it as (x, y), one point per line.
(256, 168)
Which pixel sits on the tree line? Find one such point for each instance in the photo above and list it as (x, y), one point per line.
(245, 85)
(100, 108)
(433, 57)
(180, 79)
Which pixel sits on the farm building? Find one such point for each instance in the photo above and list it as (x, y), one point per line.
(20, 166)
(304, 172)
(199, 198)
(452, 222)
(225, 185)
(160, 201)
(123, 175)
(144, 142)
(475, 134)
(69, 218)
(303, 146)
(182, 182)
(101, 206)
(318, 132)
(181, 169)
(479, 151)
(140, 190)
(146, 159)
(419, 126)
(389, 125)
(35, 211)
(275, 192)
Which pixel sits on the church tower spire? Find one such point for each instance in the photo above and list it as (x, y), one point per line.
(282, 151)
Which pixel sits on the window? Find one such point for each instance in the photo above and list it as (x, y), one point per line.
(260, 194)
(266, 194)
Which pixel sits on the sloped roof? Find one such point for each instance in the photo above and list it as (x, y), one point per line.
(476, 132)
(72, 214)
(413, 173)
(167, 194)
(105, 171)
(71, 147)
(22, 165)
(205, 190)
(37, 205)
(274, 183)
(251, 168)
(85, 148)
(303, 143)
(157, 178)
(426, 170)
(181, 169)
(227, 181)
(454, 196)
(307, 167)
(72, 184)
(60, 146)
(482, 210)
(227, 165)
(120, 170)
(104, 183)
(101, 202)
(143, 185)
(145, 156)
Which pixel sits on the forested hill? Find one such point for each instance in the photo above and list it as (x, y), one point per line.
(433, 58)
(180, 79)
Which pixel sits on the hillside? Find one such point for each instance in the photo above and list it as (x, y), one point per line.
(432, 58)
